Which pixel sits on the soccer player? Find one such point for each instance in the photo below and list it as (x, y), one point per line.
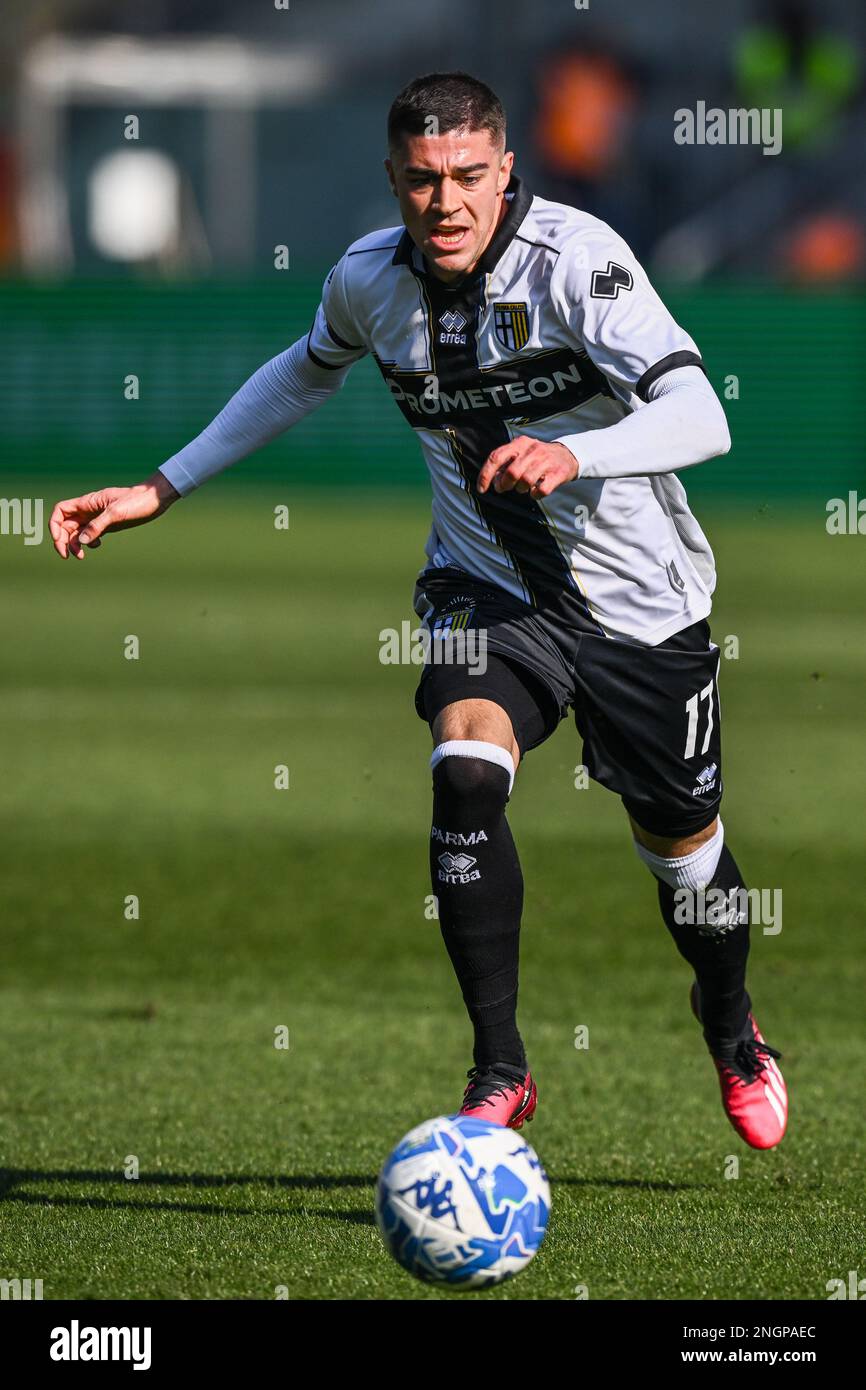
(554, 398)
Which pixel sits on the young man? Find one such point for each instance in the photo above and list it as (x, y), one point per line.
(553, 396)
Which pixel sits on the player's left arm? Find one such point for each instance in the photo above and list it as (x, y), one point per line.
(603, 297)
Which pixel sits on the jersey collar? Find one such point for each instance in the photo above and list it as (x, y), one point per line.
(518, 206)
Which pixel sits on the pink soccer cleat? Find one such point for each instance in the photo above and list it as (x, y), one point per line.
(754, 1094)
(500, 1093)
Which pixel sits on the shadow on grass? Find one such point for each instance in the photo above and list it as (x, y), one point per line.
(648, 1184)
(12, 1178)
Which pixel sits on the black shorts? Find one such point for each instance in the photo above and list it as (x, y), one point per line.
(649, 717)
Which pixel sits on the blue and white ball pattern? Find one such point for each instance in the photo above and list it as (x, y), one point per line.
(463, 1202)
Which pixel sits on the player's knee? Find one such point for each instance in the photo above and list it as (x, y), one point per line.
(478, 721)
(695, 869)
(470, 772)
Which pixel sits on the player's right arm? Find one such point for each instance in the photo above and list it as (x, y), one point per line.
(275, 397)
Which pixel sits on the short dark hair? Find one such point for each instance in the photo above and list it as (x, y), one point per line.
(455, 100)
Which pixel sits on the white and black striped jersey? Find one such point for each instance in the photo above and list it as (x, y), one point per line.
(556, 332)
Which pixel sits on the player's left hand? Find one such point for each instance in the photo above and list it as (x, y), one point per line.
(528, 465)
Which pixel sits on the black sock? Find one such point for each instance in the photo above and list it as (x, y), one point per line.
(477, 881)
(717, 953)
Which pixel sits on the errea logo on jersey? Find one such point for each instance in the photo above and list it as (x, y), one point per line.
(452, 322)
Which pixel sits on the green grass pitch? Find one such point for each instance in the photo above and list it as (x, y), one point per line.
(153, 1038)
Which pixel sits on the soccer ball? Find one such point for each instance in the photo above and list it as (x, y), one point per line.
(464, 1202)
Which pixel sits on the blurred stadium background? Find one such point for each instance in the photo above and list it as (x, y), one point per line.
(258, 128)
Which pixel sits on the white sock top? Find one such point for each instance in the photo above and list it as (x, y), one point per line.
(475, 748)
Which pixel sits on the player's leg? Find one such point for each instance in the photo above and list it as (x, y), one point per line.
(475, 869)
(650, 719)
(477, 880)
(697, 873)
(704, 904)
(483, 720)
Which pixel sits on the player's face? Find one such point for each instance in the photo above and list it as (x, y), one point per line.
(451, 193)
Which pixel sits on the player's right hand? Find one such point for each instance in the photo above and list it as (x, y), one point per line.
(82, 521)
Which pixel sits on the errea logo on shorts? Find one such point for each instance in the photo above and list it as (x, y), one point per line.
(705, 781)
(77, 1343)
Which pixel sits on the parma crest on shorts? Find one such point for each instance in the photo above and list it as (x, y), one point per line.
(447, 623)
(511, 324)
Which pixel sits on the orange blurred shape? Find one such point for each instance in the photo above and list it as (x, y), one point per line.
(585, 104)
(8, 219)
(830, 246)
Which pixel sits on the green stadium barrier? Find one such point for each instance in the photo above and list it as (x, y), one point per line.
(796, 410)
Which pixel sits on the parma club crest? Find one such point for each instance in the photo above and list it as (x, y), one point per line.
(511, 324)
(448, 623)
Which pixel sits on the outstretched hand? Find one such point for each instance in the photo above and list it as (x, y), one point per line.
(81, 522)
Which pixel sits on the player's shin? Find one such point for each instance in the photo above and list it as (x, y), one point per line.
(479, 887)
(705, 906)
